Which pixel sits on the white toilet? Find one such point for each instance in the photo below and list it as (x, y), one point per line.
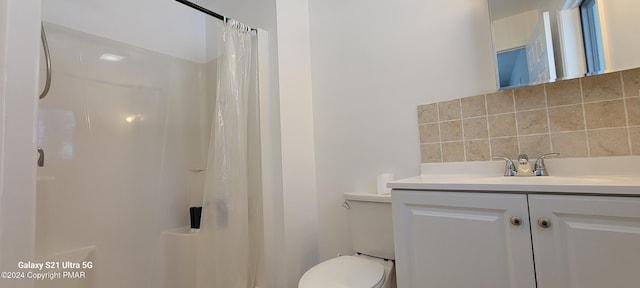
(372, 239)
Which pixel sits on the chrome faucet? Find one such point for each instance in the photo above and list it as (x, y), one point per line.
(539, 168)
(524, 167)
(509, 168)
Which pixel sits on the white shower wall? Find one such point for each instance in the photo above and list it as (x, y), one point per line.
(122, 141)
(167, 27)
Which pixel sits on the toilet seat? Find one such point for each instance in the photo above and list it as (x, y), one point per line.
(342, 272)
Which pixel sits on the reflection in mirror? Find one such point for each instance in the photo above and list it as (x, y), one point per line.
(540, 41)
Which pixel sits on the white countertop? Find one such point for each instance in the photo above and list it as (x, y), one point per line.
(604, 175)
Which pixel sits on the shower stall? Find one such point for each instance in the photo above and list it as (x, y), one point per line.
(125, 132)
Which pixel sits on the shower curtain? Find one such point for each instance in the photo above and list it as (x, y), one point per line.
(229, 238)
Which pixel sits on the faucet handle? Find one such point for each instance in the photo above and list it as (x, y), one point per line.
(509, 168)
(539, 168)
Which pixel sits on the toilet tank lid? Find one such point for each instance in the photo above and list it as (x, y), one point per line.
(384, 198)
(343, 271)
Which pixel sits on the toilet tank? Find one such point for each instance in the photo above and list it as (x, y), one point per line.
(371, 224)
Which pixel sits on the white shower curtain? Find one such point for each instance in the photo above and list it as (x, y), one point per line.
(228, 247)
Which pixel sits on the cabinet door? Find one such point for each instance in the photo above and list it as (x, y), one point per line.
(592, 242)
(461, 240)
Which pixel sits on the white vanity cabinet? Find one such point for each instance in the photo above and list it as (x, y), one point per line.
(592, 241)
(490, 240)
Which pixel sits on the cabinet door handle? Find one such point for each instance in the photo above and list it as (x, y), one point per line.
(516, 221)
(544, 223)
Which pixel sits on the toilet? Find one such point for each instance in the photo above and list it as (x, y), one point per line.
(371, 237)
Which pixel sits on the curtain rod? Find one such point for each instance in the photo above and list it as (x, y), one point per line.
(205, 10)
(202, 9)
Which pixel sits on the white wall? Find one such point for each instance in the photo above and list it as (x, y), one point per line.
(298, 151)
(166, 27)
(373, 62)
(19, 48)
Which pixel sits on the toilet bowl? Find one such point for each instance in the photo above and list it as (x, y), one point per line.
(358, 271)
(372, 238)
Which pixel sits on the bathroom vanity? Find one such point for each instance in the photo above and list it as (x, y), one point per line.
(464, 225)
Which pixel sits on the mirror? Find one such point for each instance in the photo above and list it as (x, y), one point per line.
(540, 41)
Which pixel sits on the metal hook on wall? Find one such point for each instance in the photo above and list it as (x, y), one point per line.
(40, 157)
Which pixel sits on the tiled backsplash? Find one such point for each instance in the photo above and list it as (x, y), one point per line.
(585, 117)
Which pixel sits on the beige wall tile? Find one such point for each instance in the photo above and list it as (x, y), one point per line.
(566, 118)
(605, 114)
(608, 142)
(570, 144)
(563, 93)
(634, 133)
(532, 122)
(429, 133)
(475, 128)
(428, 113)
(530, 97)
(449, 110)
(430, 153)
(500, 102)
(507, 147)
(502, 125)
(601, 87)
(631, 79)
(633, 111)
(451, 130)
(452, 151)
(477, 150)
(549, 115)
(473, 106)
(535, 145)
